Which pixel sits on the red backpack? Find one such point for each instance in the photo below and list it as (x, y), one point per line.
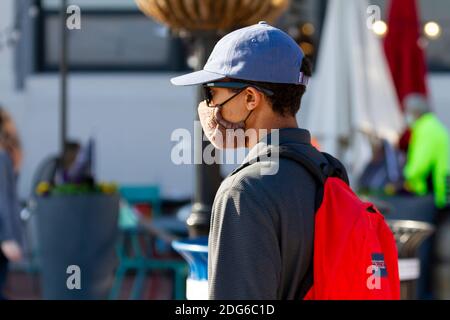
(355, 254)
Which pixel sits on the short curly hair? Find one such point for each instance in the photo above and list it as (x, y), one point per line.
(286, 98)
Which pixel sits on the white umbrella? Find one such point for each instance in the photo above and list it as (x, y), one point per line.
(352, 92)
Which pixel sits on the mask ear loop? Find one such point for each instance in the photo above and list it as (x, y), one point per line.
(245, 120)
(227, 124)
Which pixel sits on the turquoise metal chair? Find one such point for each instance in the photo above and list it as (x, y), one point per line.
(136, 248)
(143, 194)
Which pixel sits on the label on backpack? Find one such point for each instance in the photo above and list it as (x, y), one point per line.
(378, 262)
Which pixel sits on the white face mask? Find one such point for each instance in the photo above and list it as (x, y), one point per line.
(410, 119)
(221, 133)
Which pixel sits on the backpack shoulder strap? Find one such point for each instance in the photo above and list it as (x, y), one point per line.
(306, 156)
(320, 164)
(337, 168)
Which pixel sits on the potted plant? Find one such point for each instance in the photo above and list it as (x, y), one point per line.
(77, 227)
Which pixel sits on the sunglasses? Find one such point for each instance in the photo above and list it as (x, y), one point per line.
(230, 85)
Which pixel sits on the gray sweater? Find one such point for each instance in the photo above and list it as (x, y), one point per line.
(261, 235)
(10, 224)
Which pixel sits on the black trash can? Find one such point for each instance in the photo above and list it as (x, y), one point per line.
(77, 233)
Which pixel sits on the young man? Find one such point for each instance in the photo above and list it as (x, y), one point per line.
(261, 236)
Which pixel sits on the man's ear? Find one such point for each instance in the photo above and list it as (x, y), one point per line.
(253, 98)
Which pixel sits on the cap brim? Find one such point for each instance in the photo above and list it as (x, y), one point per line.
(197, 77)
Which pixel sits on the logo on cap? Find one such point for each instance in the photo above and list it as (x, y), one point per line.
(303, 79)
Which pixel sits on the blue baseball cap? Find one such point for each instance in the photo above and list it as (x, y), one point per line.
(256, 53)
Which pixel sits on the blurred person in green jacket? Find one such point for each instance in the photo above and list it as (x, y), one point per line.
(427, 162)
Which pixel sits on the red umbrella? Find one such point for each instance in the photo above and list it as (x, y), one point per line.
(405, 56)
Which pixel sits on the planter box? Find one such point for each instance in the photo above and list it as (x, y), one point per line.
(77, 230)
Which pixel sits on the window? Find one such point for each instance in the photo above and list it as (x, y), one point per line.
(114, 36)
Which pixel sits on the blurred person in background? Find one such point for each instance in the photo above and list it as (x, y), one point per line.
(426, 168)
(10, 224)
(426, 172)
(56, 170)
(68, 159)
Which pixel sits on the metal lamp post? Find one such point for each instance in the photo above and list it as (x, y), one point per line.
(203, 20)
(63, 70)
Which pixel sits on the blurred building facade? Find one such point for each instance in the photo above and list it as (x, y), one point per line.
(119, 89)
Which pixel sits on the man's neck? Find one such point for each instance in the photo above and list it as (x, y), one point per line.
(264, 127)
